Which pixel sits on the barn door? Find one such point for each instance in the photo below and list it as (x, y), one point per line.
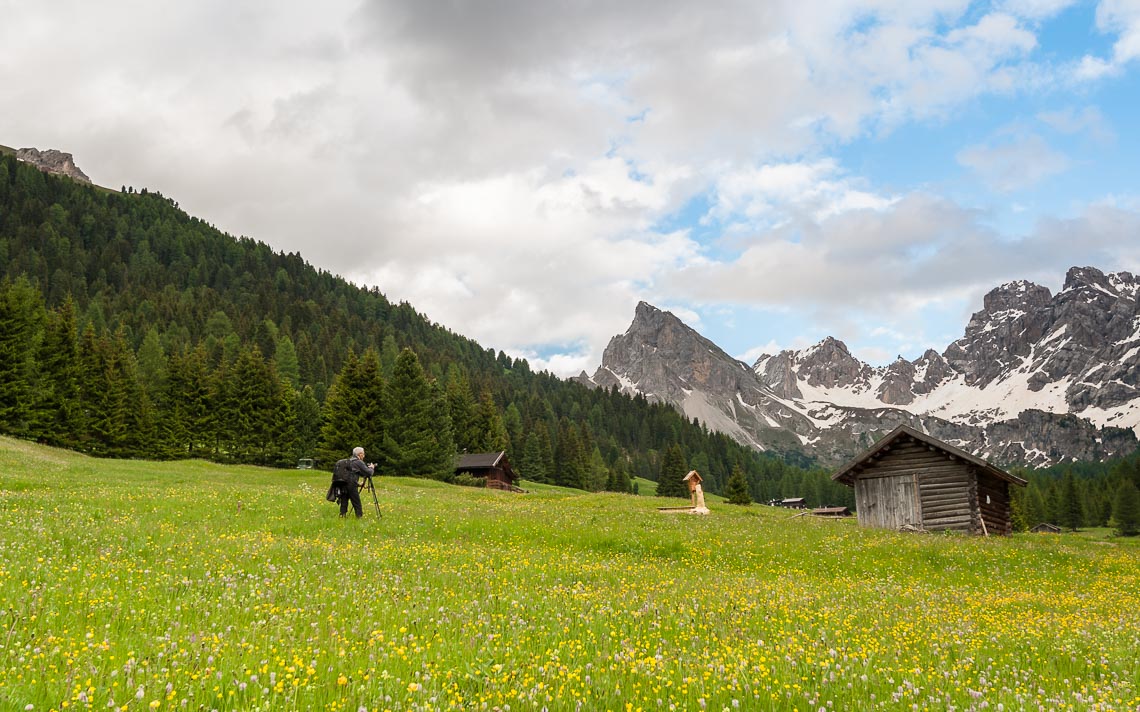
(910, 508)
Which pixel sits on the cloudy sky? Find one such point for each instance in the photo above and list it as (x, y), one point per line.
(773, 172)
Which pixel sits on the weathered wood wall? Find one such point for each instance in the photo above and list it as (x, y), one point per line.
(887, 502)
(917, 485)
(994, 503)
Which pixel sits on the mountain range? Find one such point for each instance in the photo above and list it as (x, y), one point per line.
(1036, 379)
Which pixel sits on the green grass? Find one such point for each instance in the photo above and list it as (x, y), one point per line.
(136, 585)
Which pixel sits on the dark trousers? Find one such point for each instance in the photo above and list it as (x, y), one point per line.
(349, 492)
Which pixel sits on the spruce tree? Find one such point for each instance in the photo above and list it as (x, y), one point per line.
(59, 418)
(461, 405)
(670, 482)
(530, 465)
(568, 470)
(737, 488)
(21, 310)
(414, 448)
(492, 431)
(355, 412)
(1071, 508)
(1126, 511)
(253, 405)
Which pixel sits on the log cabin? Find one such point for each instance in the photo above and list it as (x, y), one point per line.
(909, 480)
(494, 466)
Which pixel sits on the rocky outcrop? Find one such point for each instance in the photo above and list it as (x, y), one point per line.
(1035, 379)
(53, 161)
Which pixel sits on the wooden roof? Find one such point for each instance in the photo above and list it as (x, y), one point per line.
(480, 460)
(848, 472)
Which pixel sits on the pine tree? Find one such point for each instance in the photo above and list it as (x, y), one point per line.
(252, 404)
(285, 358)
(442, 463)
(21, 310)
(568, 470)
(737, 488)
(185, 421)
(59, 418)
(355, 412)
(531, 466)
(415, 450)
(1072, 511)
(492, 431)
(670, 482)
(461, 405)
(1126, 511)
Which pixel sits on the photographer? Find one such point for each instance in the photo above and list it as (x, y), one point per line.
(347, 475)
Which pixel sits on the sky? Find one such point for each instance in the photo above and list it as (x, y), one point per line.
(524, 173)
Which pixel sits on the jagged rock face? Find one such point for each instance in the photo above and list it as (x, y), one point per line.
(1013, 317)
(898, 383)
(693, 361)
(53, 161)
(1036, 379)
(778, 373)
(829, 364)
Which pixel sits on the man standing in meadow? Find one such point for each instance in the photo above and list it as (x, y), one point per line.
(347, 476)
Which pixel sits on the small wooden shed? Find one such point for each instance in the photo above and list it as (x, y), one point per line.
(494, 466)
(911, 480)
(1046, 528)
(831, 512)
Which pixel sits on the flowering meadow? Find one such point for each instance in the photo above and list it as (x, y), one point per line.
(132, 585)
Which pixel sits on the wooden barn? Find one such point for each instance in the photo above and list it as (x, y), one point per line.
(910, 480)
(492, 465)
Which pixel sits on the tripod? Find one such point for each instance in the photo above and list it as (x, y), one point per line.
(367, 485)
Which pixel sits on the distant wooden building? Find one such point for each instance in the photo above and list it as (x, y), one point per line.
(494, 466)
(910, 480)
(794, 503)
(1046, 528)
(831, 512)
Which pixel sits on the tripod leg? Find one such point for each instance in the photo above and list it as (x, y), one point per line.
(374, 500)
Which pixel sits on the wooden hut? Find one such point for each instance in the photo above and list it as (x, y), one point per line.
(1046, 528)
(831, 512)
(494, 466)
(794, 503)
(910, 480)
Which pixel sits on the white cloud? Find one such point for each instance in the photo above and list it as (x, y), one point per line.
(1036, 9)
(1088, 121)
(1013, 164)
(502, 166)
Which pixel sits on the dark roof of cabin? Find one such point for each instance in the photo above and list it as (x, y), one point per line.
(846, 474)
(479, 460)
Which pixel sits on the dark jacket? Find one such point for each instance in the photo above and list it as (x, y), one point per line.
(350, 470)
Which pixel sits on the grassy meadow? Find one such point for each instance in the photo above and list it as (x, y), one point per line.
(131, 585)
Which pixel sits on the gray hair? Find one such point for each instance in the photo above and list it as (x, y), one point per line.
(357, 451)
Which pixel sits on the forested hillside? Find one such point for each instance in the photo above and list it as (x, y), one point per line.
(131, 329)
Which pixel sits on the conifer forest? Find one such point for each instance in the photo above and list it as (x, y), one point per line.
(130, 329)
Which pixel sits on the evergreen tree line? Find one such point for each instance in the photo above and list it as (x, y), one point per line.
(1074, 496)
(130, 329)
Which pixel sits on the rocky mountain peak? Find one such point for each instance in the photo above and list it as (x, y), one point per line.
(53, 161)
(829, 364)
(1019, 295)
(1036, 378)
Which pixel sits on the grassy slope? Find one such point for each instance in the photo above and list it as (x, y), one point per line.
(145, 584)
